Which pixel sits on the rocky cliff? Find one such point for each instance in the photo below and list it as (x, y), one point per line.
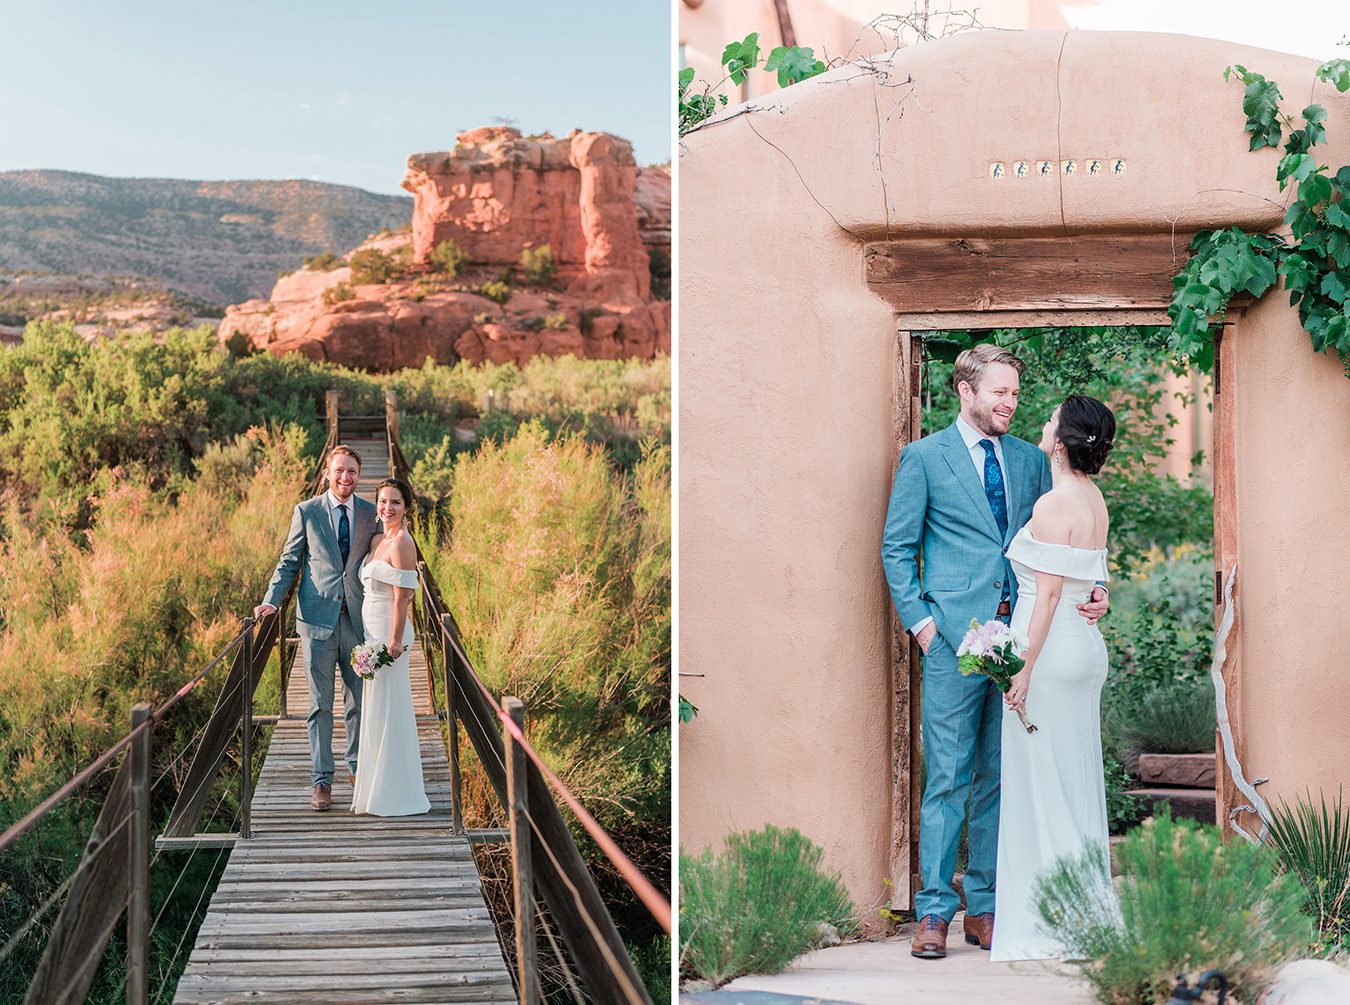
(605, 224)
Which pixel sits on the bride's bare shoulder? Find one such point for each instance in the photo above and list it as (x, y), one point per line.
(404, 552)
(1052, 518)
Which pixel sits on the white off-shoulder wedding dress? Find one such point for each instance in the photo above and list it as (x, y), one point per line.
(1053, 800)
(389, 767)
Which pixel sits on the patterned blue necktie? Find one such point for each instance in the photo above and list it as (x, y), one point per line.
(345, 534)
(993, 487)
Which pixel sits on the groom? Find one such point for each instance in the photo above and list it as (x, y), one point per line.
(328, 538)
(959, 497)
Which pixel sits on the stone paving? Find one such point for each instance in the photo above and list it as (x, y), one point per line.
(883, 973)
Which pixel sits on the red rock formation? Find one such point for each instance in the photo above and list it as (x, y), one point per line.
(495, 194)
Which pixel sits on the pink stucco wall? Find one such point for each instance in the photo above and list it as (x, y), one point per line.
(786, 397)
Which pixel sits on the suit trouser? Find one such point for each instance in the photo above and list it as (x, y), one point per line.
(323, 656)
(962, 741)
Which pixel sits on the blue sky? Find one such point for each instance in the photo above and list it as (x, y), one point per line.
(338, 91)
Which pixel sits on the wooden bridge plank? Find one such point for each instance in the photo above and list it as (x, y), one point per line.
(336, 908)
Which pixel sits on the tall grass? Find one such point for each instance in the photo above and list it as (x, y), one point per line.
(1312, 843)
(558, 570)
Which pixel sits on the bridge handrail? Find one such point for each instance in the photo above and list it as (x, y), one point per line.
(568, 886)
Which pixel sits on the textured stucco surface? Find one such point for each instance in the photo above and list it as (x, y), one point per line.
(787, 403)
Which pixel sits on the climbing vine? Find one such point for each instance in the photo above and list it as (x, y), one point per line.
(1314, 261)
(792, 64)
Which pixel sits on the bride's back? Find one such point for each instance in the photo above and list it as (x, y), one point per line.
(1074, 513)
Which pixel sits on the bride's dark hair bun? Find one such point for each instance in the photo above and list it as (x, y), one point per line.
(1088, 431)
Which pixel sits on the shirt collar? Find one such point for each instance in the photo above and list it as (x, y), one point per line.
(971, 435)
(334, 502)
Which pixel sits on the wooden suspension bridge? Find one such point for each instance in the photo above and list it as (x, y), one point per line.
(335, 907)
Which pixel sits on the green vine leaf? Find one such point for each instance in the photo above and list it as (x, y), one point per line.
(1336, 72)
(1261, 103)
(740, 56)
(794, 64)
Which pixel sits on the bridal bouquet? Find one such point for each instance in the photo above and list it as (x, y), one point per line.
(367, 660)
(991, 649)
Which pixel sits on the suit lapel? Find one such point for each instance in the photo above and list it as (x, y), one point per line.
(361, 532)
(1011, 482)
(958, 459)
(326, 531)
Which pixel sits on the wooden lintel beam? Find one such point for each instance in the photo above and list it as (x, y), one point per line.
(1042, 274)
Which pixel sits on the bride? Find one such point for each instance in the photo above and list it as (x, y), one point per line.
(389, 773)
(1053, 800)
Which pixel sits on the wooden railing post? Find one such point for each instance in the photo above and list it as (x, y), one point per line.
(246, 723)
(283, 675)
(391, 426)
(452, 724)
(522, 874)
(330, 401)
(138, 865)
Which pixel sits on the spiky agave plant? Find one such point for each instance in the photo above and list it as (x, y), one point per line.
(1312, 841)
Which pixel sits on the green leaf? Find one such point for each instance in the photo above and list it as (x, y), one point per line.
(1333, 288)
(1338, 248)
(1337, 72)
(1336, 216)
(1261, 103)
(1316, 190)
(740, 56)
(794, 64)
(686, 78)
(1315, 116)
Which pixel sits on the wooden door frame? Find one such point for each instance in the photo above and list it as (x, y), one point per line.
(1135, 289)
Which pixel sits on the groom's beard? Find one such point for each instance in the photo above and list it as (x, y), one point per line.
(987, 422)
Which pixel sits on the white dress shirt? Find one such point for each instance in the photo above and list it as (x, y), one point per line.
(335, 515)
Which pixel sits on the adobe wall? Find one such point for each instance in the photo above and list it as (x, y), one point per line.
(786, 396)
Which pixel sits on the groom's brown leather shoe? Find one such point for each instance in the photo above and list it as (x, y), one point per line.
(979, 929)
(930, 941)
(322, 798)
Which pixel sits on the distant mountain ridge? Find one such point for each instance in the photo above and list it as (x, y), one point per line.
(219, 241)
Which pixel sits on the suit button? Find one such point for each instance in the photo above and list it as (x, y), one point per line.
(998, 585)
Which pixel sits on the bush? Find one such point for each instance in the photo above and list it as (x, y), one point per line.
(588, 316)
(370, 265)
(757, 906)
(325, 262)
(1187, 901)
(496, 291)
(337, 294)
(1313, 844)
(556, 322)
(448, 257)
(1172, 717)
(531, 324)
(538, 265)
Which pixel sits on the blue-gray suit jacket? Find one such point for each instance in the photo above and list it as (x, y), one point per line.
(938, 507)
(311, 552)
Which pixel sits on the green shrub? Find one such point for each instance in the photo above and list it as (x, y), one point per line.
(1313, 844)
(496, 291)
(757, 906)
(371, 265)
(1171, 717)
(448, 257)
(325, 262)
(1122, 809)
(556, 322)
(531, 324)
(337, 294)
(1187, 901)
(538, 265)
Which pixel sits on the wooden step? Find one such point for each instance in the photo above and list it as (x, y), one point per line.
(1189, 771)
(1189, 804)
